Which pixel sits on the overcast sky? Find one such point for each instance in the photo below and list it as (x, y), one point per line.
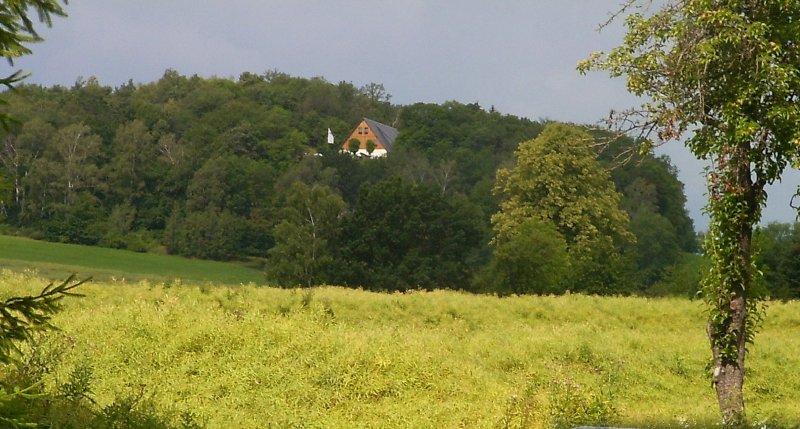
(516, 55)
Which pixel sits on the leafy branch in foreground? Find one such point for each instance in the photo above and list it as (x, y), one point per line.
(21, 317)
(17, 30)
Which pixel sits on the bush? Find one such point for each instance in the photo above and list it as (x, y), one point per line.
(210, 234)
(561, 404)
(532, 259)
(78, 223)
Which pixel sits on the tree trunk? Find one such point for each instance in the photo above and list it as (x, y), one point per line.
(728, 375)
(728, 338)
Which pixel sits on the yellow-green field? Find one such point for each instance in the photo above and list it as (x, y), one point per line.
(255, 357)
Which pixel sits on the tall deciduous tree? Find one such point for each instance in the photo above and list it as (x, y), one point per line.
(134, 155)
(726, 76)
(649, 182)
(402, 236)
(558, 179)
(16, 31)
(309, 222)
(75, 149)
(18, 154)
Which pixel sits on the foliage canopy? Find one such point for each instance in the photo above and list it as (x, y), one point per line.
(557, 179)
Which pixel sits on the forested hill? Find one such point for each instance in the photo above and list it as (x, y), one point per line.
(236, 169)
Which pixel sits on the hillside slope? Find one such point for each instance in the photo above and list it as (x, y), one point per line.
(58, 260)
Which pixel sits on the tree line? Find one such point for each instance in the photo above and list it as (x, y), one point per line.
(239, 169)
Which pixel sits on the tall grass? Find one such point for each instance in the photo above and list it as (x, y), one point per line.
(331, 357)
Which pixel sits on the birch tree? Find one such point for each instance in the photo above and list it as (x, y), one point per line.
(303, 236)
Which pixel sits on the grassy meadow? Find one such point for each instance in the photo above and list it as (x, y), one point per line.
(329, 357)
(58, 260)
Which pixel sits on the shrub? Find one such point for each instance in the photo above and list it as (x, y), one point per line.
(531, 259)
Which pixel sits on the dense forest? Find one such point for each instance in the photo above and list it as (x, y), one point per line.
(240, 170)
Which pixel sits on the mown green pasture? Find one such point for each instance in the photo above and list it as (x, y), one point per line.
(329, 357)
(58, 260)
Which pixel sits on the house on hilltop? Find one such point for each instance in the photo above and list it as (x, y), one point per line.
(373, 139)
